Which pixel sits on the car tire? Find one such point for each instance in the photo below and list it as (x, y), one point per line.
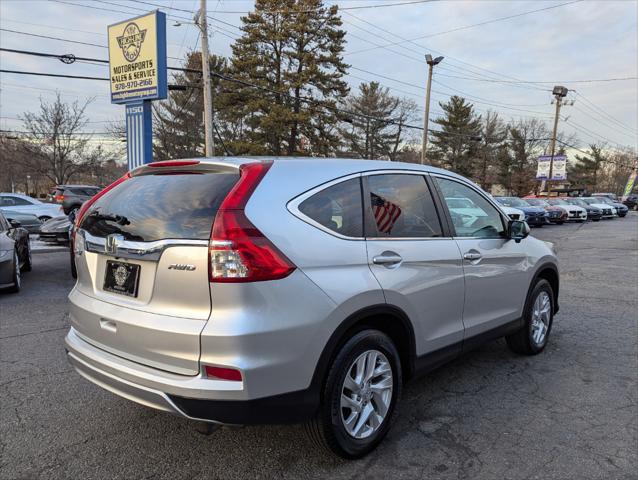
(74, 270)
(17, 278)
(28, 261)
(338, 426)
(538, 317)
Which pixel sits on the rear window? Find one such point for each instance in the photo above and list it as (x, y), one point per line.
(88, 191)
(155, 207)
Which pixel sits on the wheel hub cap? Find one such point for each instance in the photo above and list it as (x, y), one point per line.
(366, 394)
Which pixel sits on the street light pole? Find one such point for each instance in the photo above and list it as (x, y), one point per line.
(426, 118)
(560, 93)
(202, 22)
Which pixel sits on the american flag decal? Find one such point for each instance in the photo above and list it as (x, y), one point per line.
(385, 213)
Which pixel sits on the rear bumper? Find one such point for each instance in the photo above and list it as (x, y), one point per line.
(195, 398)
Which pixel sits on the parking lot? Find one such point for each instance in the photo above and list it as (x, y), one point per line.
(571, 412)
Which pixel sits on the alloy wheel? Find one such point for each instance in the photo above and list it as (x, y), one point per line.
(541, 317)
(366, 394)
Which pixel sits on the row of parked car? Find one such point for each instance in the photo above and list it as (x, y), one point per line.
(22, 216)
(539, 211)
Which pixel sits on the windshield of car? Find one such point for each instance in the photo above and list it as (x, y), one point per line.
(604, 200)
(537, 202)
(512, 202)
(576, 201)
(557, 201)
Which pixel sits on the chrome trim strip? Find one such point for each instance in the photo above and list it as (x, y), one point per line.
(137, 250)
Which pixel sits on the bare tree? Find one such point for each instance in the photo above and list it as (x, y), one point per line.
(58, 147)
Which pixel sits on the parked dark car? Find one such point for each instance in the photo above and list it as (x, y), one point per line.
(611, 196)
(15, 254)
(56, 230)
(555, 214)
(28, 221)
(631, 202)
(534, 216)
(71, 197)
(593, 213)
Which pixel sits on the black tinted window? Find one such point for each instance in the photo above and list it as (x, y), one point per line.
(338, 208)
(402, 206)
(154, 207)
(87, 191)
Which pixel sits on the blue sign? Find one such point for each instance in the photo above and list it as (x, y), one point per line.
(139, 134)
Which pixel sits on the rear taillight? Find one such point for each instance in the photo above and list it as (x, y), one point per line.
(238, 251)
(58, 198)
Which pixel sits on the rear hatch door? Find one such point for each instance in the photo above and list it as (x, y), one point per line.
(146, 259)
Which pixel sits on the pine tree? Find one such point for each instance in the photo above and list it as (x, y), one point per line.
(493, 136)
(293, 50)
(455, 144)
(586, 170)
(178, 121)
(369, 135)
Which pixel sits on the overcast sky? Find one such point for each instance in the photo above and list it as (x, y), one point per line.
(566, 45)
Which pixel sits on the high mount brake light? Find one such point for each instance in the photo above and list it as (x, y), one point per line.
(173, 163)
(238, 251)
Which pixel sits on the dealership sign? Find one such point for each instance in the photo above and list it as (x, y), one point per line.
(137, 72)
(137, 58)
(559, 168)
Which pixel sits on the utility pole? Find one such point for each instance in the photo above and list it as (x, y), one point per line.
(202, 22)
(559, 93)
(426, 118)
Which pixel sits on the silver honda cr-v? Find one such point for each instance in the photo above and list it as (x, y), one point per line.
(243, 291)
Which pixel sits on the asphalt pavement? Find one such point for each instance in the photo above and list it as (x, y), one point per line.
(569, 413)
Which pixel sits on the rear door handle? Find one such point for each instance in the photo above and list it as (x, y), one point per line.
(472, 256)
(387, 258)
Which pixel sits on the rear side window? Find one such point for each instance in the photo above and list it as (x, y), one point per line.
(402, 207)
(84, 191)
(155, 207)
(337, 208)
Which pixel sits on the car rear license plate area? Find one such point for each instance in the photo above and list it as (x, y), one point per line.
(122, 278)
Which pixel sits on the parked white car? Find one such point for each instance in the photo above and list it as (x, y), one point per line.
(18, 202)
(608, 210)
(574, 212)
(513, 213)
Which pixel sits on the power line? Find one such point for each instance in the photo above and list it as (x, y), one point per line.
(594, 107)
(552, 82)
(499, 19)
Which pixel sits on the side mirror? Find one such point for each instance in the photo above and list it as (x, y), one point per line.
(517, 230)
(14, 223)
